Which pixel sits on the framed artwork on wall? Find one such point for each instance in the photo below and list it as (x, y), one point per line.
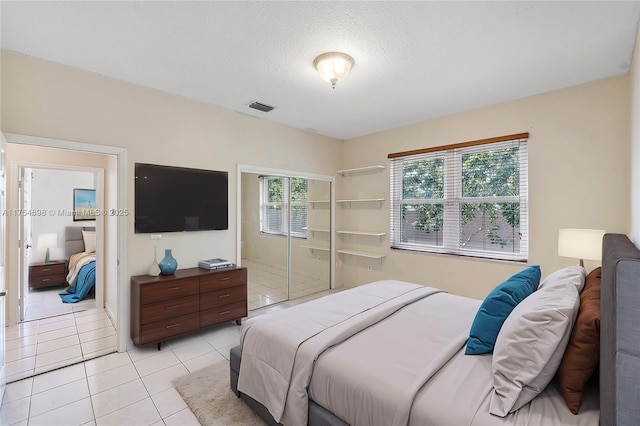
(84, 204)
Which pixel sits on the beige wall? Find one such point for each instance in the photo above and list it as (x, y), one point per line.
(44, 99)
(579, 162)
(49, 100)
(579, 176)
(634, 117)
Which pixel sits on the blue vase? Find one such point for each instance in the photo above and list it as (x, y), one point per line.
(168, 264)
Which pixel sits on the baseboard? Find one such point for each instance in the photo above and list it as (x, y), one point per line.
(111, 316)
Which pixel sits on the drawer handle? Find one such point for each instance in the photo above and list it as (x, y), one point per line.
(224, 295)
(173, 325)
(173, 288)
(172, 307)
(224, 313)
(46, 269)
(224, 279)
(46, 279)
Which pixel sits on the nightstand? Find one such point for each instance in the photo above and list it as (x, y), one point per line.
(47, 274)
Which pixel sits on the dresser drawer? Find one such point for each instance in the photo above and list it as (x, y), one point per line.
(47, 280)
(223, 313)
(220, 280)
(222, 297)
(169, 291)
(48, 270)
(165, 329)
(168, 309)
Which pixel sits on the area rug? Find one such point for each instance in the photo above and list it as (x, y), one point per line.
(209, 397)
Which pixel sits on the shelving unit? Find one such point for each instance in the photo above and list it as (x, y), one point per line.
(347, 172)
(362, 200)
(363, 254)
(369, 234)
(362, 203)
(313, 230)
(311, 247)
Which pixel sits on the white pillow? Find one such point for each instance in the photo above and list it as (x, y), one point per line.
(575, 274)
(89, 238)
(532, 340)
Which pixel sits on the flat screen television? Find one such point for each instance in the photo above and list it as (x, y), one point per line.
(177, 199)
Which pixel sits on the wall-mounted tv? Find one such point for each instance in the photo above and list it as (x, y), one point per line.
(177, 199)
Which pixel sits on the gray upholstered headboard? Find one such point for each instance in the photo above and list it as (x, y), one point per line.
(620, 332)
(73, 242)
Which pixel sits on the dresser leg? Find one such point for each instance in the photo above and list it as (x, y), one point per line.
(159, 343)
(239, 321)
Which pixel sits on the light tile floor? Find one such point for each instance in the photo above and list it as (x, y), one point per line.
(46, 302)
(132, 387)
(38, 346)
(267, 284)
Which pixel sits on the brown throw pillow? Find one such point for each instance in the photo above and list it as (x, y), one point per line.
(582, 355)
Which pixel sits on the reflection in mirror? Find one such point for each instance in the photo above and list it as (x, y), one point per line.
(285, 237)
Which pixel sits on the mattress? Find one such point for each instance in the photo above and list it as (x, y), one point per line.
(406, 367)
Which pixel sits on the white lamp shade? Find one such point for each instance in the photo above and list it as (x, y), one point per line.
(580, 243)
(47, 241)
(333, 66)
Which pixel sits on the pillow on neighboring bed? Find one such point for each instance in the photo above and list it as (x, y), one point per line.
(574, 273)
(497, 306)
(531, 343)
(582, 355)
(89, 238)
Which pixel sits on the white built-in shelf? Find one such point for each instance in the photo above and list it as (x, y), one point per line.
(362, 200)
(321, 248)
(317, 230)
(348, 203)
(346, 172)
(368, 234)
(363, 254)
(317, 201)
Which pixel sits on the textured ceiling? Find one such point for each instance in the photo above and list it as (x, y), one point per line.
(413, 60)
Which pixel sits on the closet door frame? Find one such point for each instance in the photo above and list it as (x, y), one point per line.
(244, 168)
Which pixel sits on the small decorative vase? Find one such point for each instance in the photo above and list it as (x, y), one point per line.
(154, 269)
(168, 264)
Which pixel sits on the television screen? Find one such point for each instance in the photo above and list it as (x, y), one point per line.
(176, 199)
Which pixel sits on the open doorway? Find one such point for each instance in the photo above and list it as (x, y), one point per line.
(46, 344)
(47, 236)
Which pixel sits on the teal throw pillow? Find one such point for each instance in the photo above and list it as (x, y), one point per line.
(497, 306)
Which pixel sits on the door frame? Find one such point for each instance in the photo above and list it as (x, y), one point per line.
(122, 317)
(245, 168)
(98, 179)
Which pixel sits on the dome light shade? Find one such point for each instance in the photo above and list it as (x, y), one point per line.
(333, 66)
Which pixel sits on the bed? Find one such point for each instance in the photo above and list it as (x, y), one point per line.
(394, 377)
(81, 260)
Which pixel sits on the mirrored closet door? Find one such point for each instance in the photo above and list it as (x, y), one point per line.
(285, 237)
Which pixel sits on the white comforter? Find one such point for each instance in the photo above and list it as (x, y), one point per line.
(76, 262)
(279, 350)
(386, 353)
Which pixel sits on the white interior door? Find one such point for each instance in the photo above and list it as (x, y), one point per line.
(3, 291)
(26, 243)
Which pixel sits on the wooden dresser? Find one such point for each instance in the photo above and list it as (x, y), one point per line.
(168, 306)
(47, 274)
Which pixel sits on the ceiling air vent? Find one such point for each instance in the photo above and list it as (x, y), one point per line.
(260, 107)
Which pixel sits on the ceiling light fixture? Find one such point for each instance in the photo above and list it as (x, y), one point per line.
(333, 66)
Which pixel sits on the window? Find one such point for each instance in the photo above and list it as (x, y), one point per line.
(465, 199)
(278, 197)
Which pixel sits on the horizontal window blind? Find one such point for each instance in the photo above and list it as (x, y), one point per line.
(283, 205)
(466, 199)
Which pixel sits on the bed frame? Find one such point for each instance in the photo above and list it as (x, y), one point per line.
(73, 242)
(619, 343)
